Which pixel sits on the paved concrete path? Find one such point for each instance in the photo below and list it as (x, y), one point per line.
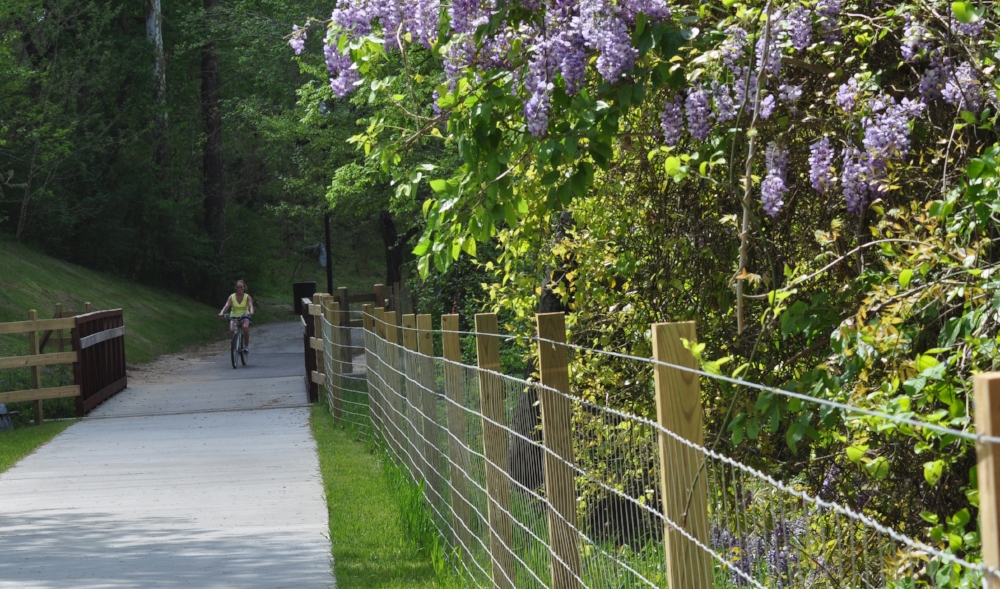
(203, 477)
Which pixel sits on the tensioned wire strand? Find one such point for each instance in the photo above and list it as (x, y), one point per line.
(847, 512)
(982, 438)
(757, 474)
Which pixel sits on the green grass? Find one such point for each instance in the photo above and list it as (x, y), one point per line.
(156, 321)
(18, 443)
(373, 519)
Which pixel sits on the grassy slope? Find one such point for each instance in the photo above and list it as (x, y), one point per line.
(369, 549)
(156, 321)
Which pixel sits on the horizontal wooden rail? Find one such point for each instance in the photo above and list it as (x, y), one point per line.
(101, 336)
(315, 310)
(316, 344)
(40, 394)
(318, 378)
(363, 298)
(36, 325)
(40, 360)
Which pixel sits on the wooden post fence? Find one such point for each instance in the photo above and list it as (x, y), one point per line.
(495, 448)
(560, 485)
(36, 371)
(334, 383)
(428, 402)
(412, 394)
(682, 480)
(454, 390)
(986, 388)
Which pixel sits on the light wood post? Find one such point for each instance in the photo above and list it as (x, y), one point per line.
(318, 332)
(411, 404)
(335, 385)
(395, 392)
(384, 395)
(368, 321)
(59, 314)
(343, 325)
(495, 449)
(987, 395)
(454, 390)
(428, 401)
(87, 307)
(36, 371)
(560, 485)
(682, 480)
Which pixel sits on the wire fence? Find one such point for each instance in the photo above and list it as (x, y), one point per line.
(594, 497)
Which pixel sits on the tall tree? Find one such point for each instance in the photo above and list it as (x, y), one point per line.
(213, 180)
(154, 33)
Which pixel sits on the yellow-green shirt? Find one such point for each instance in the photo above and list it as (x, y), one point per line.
(238, 308)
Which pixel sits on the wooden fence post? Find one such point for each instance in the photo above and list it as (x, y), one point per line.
(560, 485)
(368, 320)
(318, 334)
(682, 480)
(59, 314)
(411, 405)
(495, 448)
(395, 392)
(454, 390)
(36, 371)
(384, 395)
(87, 307)
(334, 384)
(345, 362)
(987, 396)
(428, 402)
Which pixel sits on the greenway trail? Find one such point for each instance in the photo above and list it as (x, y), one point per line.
(199, 476)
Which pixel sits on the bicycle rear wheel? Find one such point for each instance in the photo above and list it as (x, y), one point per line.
(244, 353)
(234, 348)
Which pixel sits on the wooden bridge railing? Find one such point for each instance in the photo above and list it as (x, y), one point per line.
(97, 356)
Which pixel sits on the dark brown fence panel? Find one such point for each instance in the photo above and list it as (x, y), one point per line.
(309, 331)
(99, 340)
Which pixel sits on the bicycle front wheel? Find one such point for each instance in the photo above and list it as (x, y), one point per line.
(234, 348)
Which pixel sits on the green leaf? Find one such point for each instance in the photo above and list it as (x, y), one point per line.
(927, 516)
(422, 247)
(904, 277)
(965, 12)
(933, 471)
(856, 453)
(878, 468)
(423, 266)
(439, 185)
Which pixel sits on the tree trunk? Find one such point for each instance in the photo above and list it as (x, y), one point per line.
(212, 172)
(154, 34)
(395, 247)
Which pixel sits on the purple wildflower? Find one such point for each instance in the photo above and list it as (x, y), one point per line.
(847, 94)
(935, 77)
(298, 40)
(773, 188)
(963, 90)
(672, 121)
(916, 39)
(971, 30)
(769, 58)
(699, 113)
(725, 108)
(539, 88)
(829, 16)
(855, 179)
(788, 93)
(821, 171)
(799, 25)
(355, 17)
(733, 47)
(767, 105)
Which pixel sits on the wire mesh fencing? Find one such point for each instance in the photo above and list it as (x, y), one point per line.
(594, 497)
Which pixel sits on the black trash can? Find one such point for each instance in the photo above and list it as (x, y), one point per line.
(302, 290)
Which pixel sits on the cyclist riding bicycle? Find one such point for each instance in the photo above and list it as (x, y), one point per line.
(242, 310)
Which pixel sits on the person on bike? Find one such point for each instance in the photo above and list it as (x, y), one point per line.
(242, 310)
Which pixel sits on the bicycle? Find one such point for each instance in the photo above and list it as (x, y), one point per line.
(236, 347)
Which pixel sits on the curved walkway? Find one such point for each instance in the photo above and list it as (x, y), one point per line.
(201, 477)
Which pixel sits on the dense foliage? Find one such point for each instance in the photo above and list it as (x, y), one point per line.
(812, 182)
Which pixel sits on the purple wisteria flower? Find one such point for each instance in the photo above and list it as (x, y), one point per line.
(343, 74)
(935, 77)
(829, 15)
(539, 88)
(569, 51)
(967, 29)
(855, 180)
(654, 9)
(788, 93)
(963, 90)
(699, 113)
(773, 188)
(355, 17)
(916, 39)
(672, 121)
(769, 58)
(425, 21)
(298, 40)
(468, 15)
(887, 131)
(725, 108)
(606, 32)
(821, 172)
(799, 26)
(847, 95)
(767, 105)
(733, 48)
